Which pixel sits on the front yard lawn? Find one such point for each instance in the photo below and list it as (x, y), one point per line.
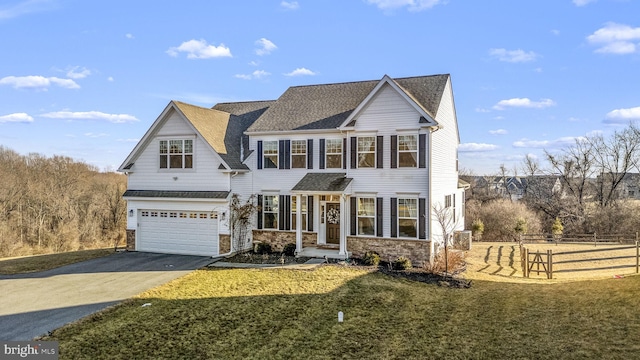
(36, 263)
(293, 314)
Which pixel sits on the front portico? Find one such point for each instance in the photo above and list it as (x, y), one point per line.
(330, 193)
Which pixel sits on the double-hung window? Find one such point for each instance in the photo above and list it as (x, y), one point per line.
(270, 153)
(367, 216)
(366, 152)
(408, 151)
(298, 154)
(408, 218)
(303, 212)
(334, 154)
(270, 212)
(176, 154)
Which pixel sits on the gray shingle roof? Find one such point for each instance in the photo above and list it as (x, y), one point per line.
(177, 194)
(328, 182)
(328, 106)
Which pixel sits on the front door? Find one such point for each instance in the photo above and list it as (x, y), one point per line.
(333, 223)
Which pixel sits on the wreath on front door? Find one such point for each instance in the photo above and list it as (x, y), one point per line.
(333, 216)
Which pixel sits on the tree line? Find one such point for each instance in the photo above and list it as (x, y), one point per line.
(56, 204)
(582, 185)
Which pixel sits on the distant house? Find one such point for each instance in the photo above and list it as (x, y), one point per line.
(337, 169)
(514, 187)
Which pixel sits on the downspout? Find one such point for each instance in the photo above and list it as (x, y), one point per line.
(230, 224)
(432, 129)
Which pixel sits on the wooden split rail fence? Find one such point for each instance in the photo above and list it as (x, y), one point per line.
(544, 261)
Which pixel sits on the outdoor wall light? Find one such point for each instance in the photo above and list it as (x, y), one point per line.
(131, 213)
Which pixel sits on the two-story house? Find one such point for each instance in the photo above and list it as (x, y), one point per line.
(345, 168)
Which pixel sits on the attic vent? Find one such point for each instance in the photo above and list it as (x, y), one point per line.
(423, 120)
(222, 167)
(352, 123)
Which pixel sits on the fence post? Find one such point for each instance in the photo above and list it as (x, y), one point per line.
(595, 239)
(550, 263)
(526, 262)
(637, 257)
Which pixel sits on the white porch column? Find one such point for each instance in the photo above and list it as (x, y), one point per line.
(343, 225)
(299, 223)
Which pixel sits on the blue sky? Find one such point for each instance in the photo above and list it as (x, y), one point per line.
(86, 79)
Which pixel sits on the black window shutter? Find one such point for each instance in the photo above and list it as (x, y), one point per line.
(379, 218)
(354, 152)
(379, 152)
(354, 215)
(287, 154)
(310, 213)
(259, 211)
(322, 149)
(281, 212)
(422, 148)
(281, 155)
(394, 151)
(344, 153)
(310, 154)
(259, 154)
(422, 218)
(287, 213)
(394, 217)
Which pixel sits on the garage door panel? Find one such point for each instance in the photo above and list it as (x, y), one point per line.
(187, 232)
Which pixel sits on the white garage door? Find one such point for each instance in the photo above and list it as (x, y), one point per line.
(178, 232)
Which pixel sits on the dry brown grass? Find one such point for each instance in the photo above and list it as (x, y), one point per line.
(27, 264)
(499, 261)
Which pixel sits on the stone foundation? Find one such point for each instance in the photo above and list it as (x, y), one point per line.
(418, 251)
(278, 239)
(131, 240)
(224, 242)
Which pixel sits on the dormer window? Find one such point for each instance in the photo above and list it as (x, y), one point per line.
(176, 154)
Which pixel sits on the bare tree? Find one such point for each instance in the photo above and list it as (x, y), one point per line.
(240, 215)
(448, 223)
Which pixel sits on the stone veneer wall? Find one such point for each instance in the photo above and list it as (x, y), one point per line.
(224, 242)
(418, 251)
(278, 239)
(131, 240)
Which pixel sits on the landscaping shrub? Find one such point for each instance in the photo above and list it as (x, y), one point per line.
(401, 263)
(263, 248)
(500, 218)
(371, 258)
(477, 227)
(289, 249)
(455, 263)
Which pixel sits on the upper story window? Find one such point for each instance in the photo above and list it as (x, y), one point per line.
(176, 154)
(407, 151)
(270, 153)
(408, 218)
(333, 154)
(366, 152)
(298, 154)
(366, 216)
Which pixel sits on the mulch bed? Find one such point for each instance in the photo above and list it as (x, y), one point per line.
(274, 258)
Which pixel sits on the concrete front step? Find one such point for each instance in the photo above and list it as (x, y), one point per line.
(322, 253)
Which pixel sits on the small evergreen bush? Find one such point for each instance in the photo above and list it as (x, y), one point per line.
(263, 248)
(371, 258)
(402, 263)
(289, 249)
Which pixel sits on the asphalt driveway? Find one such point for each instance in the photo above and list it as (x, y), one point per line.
(36, 303)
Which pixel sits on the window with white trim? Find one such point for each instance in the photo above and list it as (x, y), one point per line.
(408, 218)
(366, 152)
(366, 216)
(303, 212)
(270, 153)
(176, 154)
(333, 154)
(407, 151)
(270, 212)
(298, 154)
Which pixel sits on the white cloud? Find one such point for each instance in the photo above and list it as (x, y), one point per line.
(78, 73)
(91, 115)
(476, 147)
(547, 144)
(266, 47)
(200, 49)
(129, 36)
(37, 82)
(92, 135)
(254, 63)
(498, 132)
(258, 74)
(513, 56)
(616, 39)
(582, 2)
(16, 118)
(622, 116)
(300, 72)
(482, 110)
(412, 5)
(24, 7)
(110, 79)
(290, 5)
(555, 32)
(523, 103)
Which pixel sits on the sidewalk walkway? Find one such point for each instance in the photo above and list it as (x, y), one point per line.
(309, 265)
